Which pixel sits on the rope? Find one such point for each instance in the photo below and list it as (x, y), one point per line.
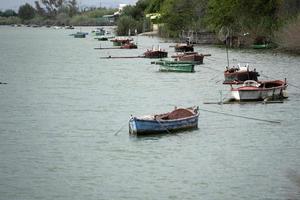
(117, 132)
(163, 126)
(245, 117)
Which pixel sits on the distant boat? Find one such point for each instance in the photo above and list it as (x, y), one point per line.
(184, 48)
(237, 75)
(129, 45)
(176, 120)
(69, 27)
(156, 53)
(190, 56)
(79, 35)
(121, 41)
(255, 91)
(173, 66)
(98, 31)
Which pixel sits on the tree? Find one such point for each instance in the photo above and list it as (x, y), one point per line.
(50, 8)
(73, 8)
(9, 13)
(26, 12)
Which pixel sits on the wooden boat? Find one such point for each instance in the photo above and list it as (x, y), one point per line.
(255, 91)
(173, 66)
(98, 32)
(184, 48)
(121, 41)
(239, 75)
(79, 35)
(156, 53)
(176, 120)
(190, 56)
(129, 45)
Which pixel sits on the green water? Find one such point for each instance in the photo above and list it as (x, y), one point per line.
(62, 106)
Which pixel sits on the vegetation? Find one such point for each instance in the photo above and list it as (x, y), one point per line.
(26, 12)
(56, 12)
(256, 21)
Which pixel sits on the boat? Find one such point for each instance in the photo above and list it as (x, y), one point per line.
(261, 90)
(237, 75)
(98, 31)
(173, 66)
(177, 120)
(121, 41)
(79, 35)
(156, 53)
(190, 56)
(184, 47)
(69, 27)
(129, 45)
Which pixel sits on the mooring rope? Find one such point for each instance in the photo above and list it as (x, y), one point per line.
(117, 132)
(245, 117)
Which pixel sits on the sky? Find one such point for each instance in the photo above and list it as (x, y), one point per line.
(15, 4)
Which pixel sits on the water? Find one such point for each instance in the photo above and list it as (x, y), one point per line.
(63, 105)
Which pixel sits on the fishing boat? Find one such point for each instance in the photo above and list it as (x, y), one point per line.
(237, 75)
(79, 35)
(261, 46)
(184, 47)
(98, 31)
(176, 120)
(261, 90)
(129, 45)
(173, 66)
(190, 56)
(156, 53)
(121, 41)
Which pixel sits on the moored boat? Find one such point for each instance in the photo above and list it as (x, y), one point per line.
(156, 53)
(167, 66)
(261, 90)
(190, 56)
(121, 41)
(237, 75)
(129, 45)
(184, 48)
(176, 120)
(79, 35)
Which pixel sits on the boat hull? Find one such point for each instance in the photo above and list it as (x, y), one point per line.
(177, 68)
(254, 93)
(145, 127)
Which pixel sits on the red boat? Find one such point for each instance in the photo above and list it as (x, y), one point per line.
(121, 41)
(156, 53)
(184, 48)
(190, 56)
(237, 75)
(129, 45)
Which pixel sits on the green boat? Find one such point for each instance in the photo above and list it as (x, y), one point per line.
(172, 62)
(176, 67)
(79, 35)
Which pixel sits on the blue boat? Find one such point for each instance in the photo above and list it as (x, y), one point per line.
(177, 120)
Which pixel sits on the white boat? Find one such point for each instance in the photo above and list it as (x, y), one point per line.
(252, 90)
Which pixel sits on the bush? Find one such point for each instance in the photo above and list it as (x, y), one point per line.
(83, 20)
(9, 20)
(124, 24)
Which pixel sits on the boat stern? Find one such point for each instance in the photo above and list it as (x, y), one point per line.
(132, 126)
